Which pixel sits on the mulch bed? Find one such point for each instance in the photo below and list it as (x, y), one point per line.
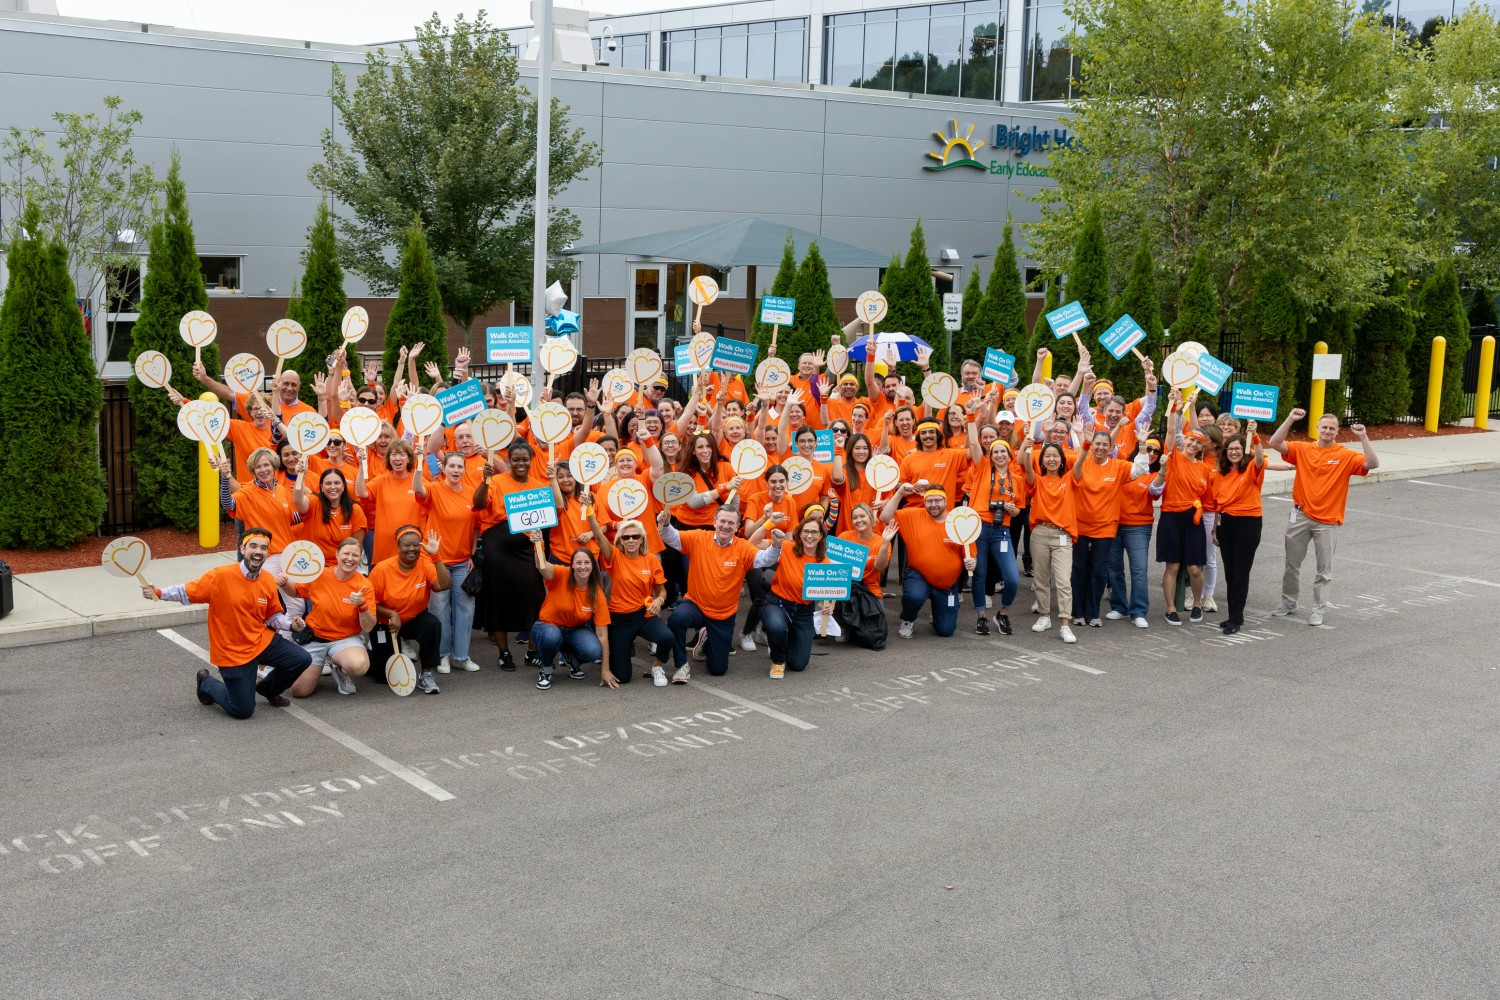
(165, 543)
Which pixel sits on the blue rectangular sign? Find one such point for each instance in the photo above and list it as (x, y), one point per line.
(1254, 402)
(682, 360)
(1123, 334)
(850, 554)
(734, 356)
(777, 311)
(506, 345)
(1212, 373)
(460, 402)
(998, 366)
(826, 582)
(531, 510)
(1067, 320)
(823, 449)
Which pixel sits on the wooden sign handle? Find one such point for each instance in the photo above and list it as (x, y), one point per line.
(197, 355)
(1079, 343)
(1139, 356)
(775, 329)
(276, 378)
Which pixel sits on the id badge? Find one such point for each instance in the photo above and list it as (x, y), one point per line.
(1005, 545)
(1294, 516)
(951, 600)
(1063, 541)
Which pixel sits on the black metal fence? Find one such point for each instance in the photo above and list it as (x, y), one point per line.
(116, 441)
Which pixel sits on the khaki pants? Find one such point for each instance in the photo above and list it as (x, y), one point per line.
(1052, 570)
(1324, 538)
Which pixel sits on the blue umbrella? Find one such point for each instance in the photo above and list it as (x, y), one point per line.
(906, 346)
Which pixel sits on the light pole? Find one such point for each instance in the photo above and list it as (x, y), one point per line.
(543, 178)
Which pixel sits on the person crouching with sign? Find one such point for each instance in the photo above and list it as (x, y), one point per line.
(404, 585)
(933, 561)
(786, 615)
(244, 616)
(577, 597)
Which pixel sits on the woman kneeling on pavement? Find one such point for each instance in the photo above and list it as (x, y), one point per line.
(577, 595)
(637, 591)
(340, 610)
(786, 614)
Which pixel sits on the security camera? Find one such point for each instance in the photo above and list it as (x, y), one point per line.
(612, 45)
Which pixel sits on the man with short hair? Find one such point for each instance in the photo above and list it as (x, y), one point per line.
(244, 616)
(1320, 490)
(933, 561)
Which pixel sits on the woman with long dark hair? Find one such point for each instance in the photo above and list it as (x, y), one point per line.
(338, 517)
(1054, 526)
(786, 614)
(1237, 489)
(577, 598)
(512, 590)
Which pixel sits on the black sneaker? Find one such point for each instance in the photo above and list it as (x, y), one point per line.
(1003, 621)
(507, 662)
(198, 680)
(533, 659)
(1195, 616)
(1230, 628)
(982, 626)
(575, 671)
(1173, 619)
(543, 682)
(274, 699)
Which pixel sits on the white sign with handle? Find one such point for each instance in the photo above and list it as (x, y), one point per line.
(153, 368)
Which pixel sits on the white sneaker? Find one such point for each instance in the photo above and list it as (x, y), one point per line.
(658, 677)
(261, 672)
(467, 666)
(1209, 604)
(1043, 624)
(683, 675)
(747, 643)
(1067, 634)
(345, 685)
(1283, 609)
(1095, 623)
(698, 653)
(1035, 608)
(1140, 623)
(327, 669)
(1114, 616)
(904, 629)
(444, 665)
(410, 648)
(1316, 618)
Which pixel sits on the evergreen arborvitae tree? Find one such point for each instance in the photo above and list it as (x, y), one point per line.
(1000, 317)
(1197, 309)
(914, 306)
(973, 296)
(781, 287)
(1440, 313)
(817, 319)
(1140, 301)
(1482, 308)
(1088, 285)
(49, 408)
(1380, 390)
(1041, 332)
(1334, 327)
(321, 307)
(417, 316)
(1275, 325)
(166, 462)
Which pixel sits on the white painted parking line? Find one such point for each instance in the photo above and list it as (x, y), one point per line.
(1411, 519)
(1424, 572)
(1067, 663)
(369, 753)
(755, 706)
(1447, 486)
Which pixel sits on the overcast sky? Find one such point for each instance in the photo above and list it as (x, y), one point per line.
(323, 20)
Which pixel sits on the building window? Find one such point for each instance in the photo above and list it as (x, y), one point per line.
(221, 275)
(763, 50)
(630, 51)
(1049, 69)
(950, 50)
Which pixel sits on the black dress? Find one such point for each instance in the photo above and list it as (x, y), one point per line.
(513, 591)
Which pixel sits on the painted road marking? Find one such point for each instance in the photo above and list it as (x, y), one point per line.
(755, 706)
(1446, 486)
(1408, 518)
(1067, 663)
(1424, 572)
(369, 753)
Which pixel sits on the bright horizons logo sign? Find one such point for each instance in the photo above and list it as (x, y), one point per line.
(960, 150)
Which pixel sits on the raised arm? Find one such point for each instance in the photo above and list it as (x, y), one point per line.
(1372, 460)
(212, 384)
(1278, 439)
(539, 555)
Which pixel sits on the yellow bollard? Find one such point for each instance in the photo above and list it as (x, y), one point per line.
(1315, 397)
(1435, 382)
(1486, 376)
(208, 494)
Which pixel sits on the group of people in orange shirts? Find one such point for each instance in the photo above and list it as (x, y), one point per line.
(1069, 499)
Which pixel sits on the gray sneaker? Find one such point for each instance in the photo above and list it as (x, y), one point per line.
(1316, 618)
(426, 683)
(346, 686)
(1283, 609)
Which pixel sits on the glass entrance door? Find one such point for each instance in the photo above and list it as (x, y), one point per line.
(648, 307)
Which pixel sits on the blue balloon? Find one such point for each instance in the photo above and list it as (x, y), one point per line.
(565, 323)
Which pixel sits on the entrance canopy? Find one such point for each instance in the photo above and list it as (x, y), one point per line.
(736, 243)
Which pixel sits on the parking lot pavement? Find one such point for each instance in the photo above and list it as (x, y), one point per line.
(1291, 812)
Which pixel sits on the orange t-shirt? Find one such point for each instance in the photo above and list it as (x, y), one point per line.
(1238, 493)
(319, 464)
(633, 580)
(787, 583)
(1137, 505)
(502, 485)
(246, 438)
(818, 486)
(1321, 486)
(331, 616)
(1052, 500)
(851, 496)
(757, 506)
(288, 410)
(606, 517)
(451, 514)
(928, 550)
(1096, 497)
(568, 606)
(704, 516)
(326, 536)
(715, 572)
(943, 466)
(986, 484)
(405, 592)
(811, 412)
(1187, 481)
(270, 509)
(396, 504)
(563, 539)
(736, 387)
(871, 577)
(238, 609)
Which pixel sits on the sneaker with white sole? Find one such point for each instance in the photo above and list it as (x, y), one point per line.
(426, 683)
(1042, 624)
(1316, 618)
(1195, 615)
(698, 653)
(683, 675)
(778, 671)
(345, 685)
(658, 677)
(1095, 623)
(904, 629)
(444, 665)
(760, 636)
(747, 643)
(1173, 618)
(327, 669)
(1114, 616)
(467, 666)
(543, 682)
(1035, 608)
(1140, 622)
(1067, 634)
(575, 670)
(1209, 604)
(1283, 609)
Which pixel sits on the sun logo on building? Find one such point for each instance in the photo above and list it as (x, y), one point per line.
(951, 148)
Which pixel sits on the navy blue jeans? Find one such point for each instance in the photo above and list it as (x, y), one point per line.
(916, 591)
(789, 630)
(1132, 541)
(623, 630)
(235, 694)
(995, 543)
(688, 616)
(1090, 572)
(581, 642)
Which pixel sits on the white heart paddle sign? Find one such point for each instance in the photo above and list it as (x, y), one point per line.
(628, 499)
(703, 290)
(190, 420)
(551, 422)
(672, 488)
(494, 429)
(871, 307)
(837, 360)
(644, 365)
(360, 426)
(244, 373)
(1190, 349)
(302, 562)
(1036, 401)
(772, 373)
(799, 474)
(1179, 370)
(400, 674)
(286, 338)
(702, 349)
(355, 325)
(125, 556)
(883, 473)
(749, 460)
(153, 368)
(589, 463)
(963, 525)
(617, 383)
(197, 328)
(519, 386)
(559, 355)
(422, 414)
(310, 431)
(215, 421)
(939, 390)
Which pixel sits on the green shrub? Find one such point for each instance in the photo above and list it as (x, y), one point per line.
(417, 316)
(1273, 331)
(1380, 389)
(321, 306)
(1440, 313)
